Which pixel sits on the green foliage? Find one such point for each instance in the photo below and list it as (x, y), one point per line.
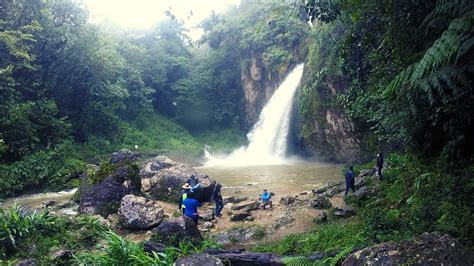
(324, 238)
(119, 251)
(50, 168)
(16, 225)
(419, 197)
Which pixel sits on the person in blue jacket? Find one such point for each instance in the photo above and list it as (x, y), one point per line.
(350, 182)
(265, 200)
(190, 207)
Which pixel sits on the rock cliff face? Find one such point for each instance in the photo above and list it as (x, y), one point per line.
(259, 84)
(326, 132)
(331, 136)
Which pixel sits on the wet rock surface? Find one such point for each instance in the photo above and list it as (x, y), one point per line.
(246, 206)
(344, 212)
(287, 200)
(240, 216)
(163, 178)
(102, 195)
(426, 249)
(124, 155)
(139, 213)
(321, 202)
(207, 215)
(234, 199)
(239, 235)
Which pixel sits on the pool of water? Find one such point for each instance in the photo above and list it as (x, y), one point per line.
(280, 179)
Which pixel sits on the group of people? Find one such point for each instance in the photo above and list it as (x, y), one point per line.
(188, 204)
(350, 178)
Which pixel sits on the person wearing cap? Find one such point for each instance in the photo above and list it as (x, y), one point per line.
(265, 200)
(183, 196)
(190, 207)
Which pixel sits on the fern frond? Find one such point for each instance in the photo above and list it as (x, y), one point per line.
(399, 81)
(447, 8)
(297, 261)
(445, 47)
(456, 40)
(465, 47)
(339, 257)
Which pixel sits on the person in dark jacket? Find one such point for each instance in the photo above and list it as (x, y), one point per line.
(183, 196)
(190, 207)
(379, 165)
(217, 197)
(350, 184)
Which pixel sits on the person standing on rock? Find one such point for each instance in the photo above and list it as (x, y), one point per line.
(217, 197)
(183, 196)
(350, 184)
(190, 207)
(379, 165)
(265, 200)
(194, 183)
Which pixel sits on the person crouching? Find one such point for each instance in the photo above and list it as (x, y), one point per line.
(265, 200)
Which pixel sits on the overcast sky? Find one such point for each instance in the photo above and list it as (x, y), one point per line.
(142, 14)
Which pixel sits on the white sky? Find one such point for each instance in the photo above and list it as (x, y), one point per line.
(142, 14)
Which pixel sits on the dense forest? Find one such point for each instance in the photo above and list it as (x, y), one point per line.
(391, 76)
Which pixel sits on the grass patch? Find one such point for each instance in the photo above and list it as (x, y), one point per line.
(332, 237)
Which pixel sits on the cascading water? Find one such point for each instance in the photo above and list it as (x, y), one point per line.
(269, 136)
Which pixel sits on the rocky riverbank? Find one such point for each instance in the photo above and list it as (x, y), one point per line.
(139, 201)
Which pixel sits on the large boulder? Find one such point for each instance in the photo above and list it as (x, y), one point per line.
(426, 249)
(163, 178)
(251, 206)
(234, 199)
(321, 202)
(173, 231)
(239, 235)
(344, 212)
(123, 155)
(240, 216)
(363, 192)
(202, 259)
(102, 189)
(138, 213)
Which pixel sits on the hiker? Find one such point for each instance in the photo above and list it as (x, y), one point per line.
(350, 180)
(190, 207)
(183, 196)
(194, 183)
(217, 197)
(379, 165)
(265, 200)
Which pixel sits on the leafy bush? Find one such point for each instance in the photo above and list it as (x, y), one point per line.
(119, 251)
(16, 225)
(50, 168)
(418, 197)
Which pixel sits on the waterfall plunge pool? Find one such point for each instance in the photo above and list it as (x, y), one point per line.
(289, 179)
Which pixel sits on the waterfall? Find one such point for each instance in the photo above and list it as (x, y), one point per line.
(268, 139)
